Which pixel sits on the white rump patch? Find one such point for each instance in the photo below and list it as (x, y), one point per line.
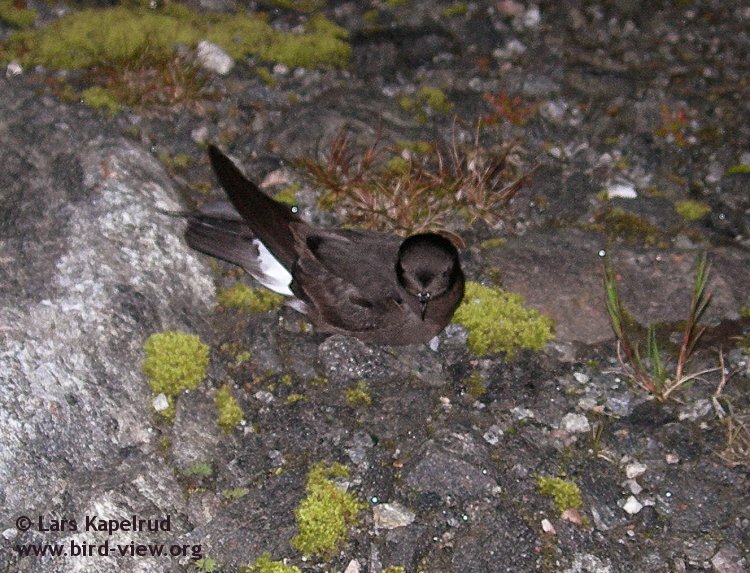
(272, 274)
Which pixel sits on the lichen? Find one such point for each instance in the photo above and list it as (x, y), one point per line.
(565, 494)
(102, 99)
(359, 394)
(498, 321)
(692, 210)
(17, 17)
(174, 362)
(324, 516)
(230, 413)
(244, 298)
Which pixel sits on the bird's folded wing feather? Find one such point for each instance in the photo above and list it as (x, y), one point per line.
(338, 277)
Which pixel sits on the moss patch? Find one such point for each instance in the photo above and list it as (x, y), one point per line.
(692, 210)
(457, 9)
(264, 564)
(499, 322)
(174, 362)
(288, 195)
(564, 494)
(230, 413)
(132, 35)
(101, 99)
(324, 516)
(242, 297)
(359, 394)
(17, 17)
(633, 229)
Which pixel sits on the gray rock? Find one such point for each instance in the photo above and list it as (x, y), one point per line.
(213, 58)
(91, 267)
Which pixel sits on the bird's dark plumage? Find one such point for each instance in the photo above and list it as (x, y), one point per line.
(374, 286)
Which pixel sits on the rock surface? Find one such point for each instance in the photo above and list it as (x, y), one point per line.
(629, 109)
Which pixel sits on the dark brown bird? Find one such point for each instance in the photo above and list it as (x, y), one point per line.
(374, 286)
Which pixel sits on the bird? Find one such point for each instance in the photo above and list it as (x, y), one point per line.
(374, 286)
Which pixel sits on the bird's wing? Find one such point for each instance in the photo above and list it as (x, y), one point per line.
(348, 278)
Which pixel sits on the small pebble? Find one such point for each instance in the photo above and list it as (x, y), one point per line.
(353, 567)
(160, 402)
(672, 459)
(547, 526)
(632, 505)
(635, 469)
(575, 423)
(391, 516)
(213, 58)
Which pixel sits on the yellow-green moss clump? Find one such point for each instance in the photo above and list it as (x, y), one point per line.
(102, 99)
(17, 17)
(499, 322)
(626, 225)
(264, 565)
(427, 96)
(457, 9)
(394, 569)
(137, 36)
(174, 362)
(288, 195)
(242, 297)
(230, 413)
(359, 394)
(564, 494)
(325, 514)
(692, 210)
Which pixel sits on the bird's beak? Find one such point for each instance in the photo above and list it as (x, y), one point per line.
(424, 298)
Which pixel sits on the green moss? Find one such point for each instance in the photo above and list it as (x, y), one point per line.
(397, 3)
(298, 5)
(324, 44)
(266, 76)
(230, 413)
(408, 103)
(235, 493)
(692, 210)
(325, 514)
(394, 569)
(371, 16)
(200, 469)
(398, 165)
(207, 565)
(359, 394)
(745, 311)
(418, 147)
(435, 98)
(16, 17)
(294, 398)
(101, 99)
(564, 494)
(475, 385)
(492, 243)
(128, 36)
(618, 222)
(499, 322)
(457, 9)
(174, 362)
(288, 195)
(244, 298)
(739, 169)
(264, 565)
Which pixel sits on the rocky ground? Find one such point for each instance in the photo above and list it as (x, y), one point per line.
(635, 118)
